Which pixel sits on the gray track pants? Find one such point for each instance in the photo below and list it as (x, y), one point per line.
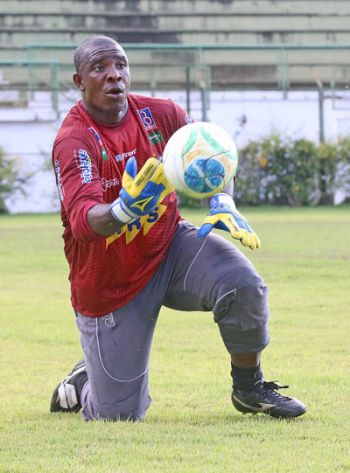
(208, 274)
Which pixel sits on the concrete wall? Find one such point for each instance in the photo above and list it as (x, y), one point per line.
(216, 22)
(261, 112)
(237, 21)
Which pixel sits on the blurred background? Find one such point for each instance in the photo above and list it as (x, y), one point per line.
(274, 74)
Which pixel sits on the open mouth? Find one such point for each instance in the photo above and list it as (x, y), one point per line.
(115, 92)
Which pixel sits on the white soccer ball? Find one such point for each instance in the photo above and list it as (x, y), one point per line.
(200, 159)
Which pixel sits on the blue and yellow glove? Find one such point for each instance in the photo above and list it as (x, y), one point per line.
(224, 216)
(140, 192)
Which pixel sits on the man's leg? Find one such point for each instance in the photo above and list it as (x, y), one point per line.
(116, 348)
(212, 274)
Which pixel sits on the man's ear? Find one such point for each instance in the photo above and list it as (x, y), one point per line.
(78, 81)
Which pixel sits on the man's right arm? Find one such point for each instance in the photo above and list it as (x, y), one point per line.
(79, 185)
(101, 220)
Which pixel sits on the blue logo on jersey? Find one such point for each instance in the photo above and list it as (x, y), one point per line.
(85, 166)
(146, 117)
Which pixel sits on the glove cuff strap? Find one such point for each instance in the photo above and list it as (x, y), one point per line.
(121, 213)
(222, 199)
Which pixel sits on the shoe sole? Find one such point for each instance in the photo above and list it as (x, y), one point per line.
(245, 409)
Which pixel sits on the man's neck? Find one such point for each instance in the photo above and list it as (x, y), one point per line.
(112, 118)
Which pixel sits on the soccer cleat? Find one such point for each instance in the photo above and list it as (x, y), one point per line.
(66, 396)
(264, 398)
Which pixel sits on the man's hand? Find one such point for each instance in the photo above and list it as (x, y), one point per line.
(140, 192)
(224, 216)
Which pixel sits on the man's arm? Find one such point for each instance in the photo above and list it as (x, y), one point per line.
(101, 221)
(230, 188)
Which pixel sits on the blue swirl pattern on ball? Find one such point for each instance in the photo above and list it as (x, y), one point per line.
(204, 175)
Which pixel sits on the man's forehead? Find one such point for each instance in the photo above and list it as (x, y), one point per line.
(104, 52)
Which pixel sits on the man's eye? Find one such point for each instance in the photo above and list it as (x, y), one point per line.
(121, 65)
(98, 68)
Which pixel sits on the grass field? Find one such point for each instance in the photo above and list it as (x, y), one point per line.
(191, 425)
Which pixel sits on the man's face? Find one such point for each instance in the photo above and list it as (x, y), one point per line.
(104, 79)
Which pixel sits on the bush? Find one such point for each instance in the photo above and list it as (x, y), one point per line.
(10, 181)
(283, 171)
(342, 177)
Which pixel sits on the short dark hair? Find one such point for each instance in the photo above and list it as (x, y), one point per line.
(86, 45)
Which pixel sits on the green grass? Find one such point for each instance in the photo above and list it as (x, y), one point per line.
(191, 425)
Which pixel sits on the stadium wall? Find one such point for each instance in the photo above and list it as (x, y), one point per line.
(245, 115)
(251, 83)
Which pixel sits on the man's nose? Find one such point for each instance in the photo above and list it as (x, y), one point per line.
(113, 74)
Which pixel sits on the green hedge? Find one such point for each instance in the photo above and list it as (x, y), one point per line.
(280, 170)
(10, 180)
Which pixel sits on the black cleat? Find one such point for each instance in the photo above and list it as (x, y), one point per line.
(264, 398)
(66, 396)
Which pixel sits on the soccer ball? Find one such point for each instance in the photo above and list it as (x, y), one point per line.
(200, 159)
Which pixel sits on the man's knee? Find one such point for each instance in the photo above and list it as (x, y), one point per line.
(132, 408)
(242, 315)
(110, 413)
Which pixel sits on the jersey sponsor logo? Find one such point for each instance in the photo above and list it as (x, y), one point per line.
(108, 183)
(128, 154)
(85, 166)
(155, 136)
(146, 117)
(59, 180)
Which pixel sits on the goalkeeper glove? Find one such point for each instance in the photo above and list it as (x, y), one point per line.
(224, 216)
(140, 192)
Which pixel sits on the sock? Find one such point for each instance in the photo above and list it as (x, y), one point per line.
(245, 378)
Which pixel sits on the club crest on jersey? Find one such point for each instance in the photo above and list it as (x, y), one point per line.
(146, 117)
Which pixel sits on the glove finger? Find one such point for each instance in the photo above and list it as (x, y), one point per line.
(249, 239)
(145, 173)
(131, 167)
(204, 230)
(258, 242)
(225, 221)
(159, 176)
(252, 240)
(234, 229)
(244, 240)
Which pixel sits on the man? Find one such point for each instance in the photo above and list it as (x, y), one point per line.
(130, 252)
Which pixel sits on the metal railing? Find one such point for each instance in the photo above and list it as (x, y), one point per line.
(198, 63)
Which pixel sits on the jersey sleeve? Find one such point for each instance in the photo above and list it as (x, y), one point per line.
(181, 117)
(75, 162)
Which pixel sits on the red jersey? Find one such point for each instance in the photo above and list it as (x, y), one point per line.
(89, 160)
